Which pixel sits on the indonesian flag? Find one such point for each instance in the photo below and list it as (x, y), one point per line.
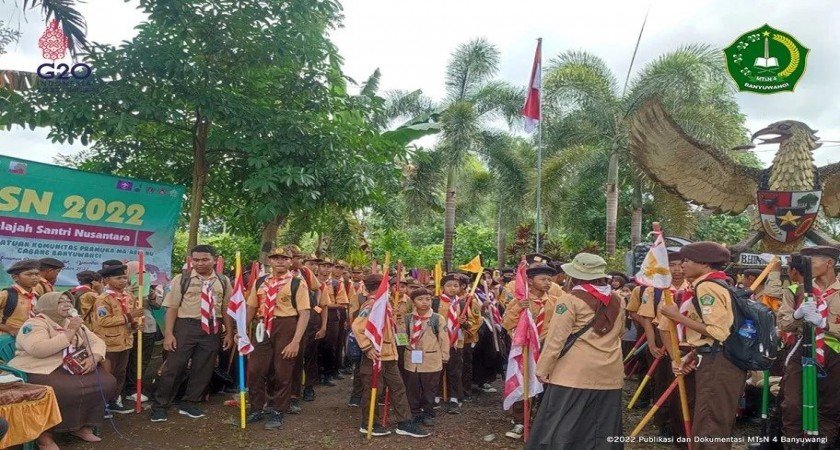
(655, 271)
(237, 310)
(379, 317)
(531, 110)
(525, 335)
(520, 285)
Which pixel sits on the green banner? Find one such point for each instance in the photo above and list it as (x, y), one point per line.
(83, 218)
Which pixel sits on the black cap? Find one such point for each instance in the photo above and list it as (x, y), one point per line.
(51, 263)
(537, 258)
(540, 270)
(88, 276)
(705, 252)
(113, 271)
(419, 292)
(822, 250)
(24, 265)
(111, 262)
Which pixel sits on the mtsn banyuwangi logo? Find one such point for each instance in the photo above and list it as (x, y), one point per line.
(53, 45)
(766, 60)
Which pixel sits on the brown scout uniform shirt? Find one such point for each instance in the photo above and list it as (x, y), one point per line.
(389, 345)
(339, 292)
(511, 317)
(473, 319)
(21, 312)
(86, 302)
(789, 324)
(43, 287)
(435, 346)
(717, 314)
(283, 303)
(110, 322)
(189, 304)
(506, 297)
(593, 362)
(443, 310)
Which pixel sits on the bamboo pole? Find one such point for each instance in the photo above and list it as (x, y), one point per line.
(644, 382)
(655, 408)
(141, 269)
(526, 398)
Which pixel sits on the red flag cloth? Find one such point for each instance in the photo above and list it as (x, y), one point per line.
(520, 290)
(236, 309)
(531, 110)
(379, 318)
(525, 335)
(453, 325)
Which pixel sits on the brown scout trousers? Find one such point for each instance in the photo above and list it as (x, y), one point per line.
(466, 369)
(828, 396)
(117, 363)
(421, 388)
(718, 387)
(267, 360)
(389, 378)
(304, 358)
(192, 343)
(330, 342)
(452, 370)
(338, 356)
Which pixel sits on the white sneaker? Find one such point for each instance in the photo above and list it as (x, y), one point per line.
(133, 398)
(488, 389)
(517, 432)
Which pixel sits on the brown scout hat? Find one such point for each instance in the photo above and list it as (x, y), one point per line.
(294, 250)
(452, 276)
(312, 257)
(537, 258)
(821, 250)
(705, 252)
(326, 262)
(23, 265)
(420, 291)
(540, 270)
(340, 263)
(282, 252)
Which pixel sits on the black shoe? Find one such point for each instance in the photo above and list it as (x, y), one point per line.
(308, 394)
(158, 415)
(378, 430)
(427, 420)
(347, 371)
(191, 411)
(338, 376)
(325, 381)
(254, 417)
(411, 428)
(294, 407)
(273, 420)
(453, 407)
(231, 390)
(117, 408)
(354, 401)
(467, 398)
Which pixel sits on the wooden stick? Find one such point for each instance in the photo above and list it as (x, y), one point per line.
(526, 398)
(680, 379)
(644, 382)
(770, 266)
(635, 346)
(138, 402)
(655, 408)
(386, 407)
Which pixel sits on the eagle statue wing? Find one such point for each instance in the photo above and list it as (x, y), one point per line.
(830, 180)
(694, 171)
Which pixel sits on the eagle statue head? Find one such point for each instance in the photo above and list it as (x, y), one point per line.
(784, 130)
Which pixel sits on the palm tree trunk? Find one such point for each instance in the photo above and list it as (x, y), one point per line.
(612, 201)
(199, 176)
(501, 240)
(636, 218)
(449, 219)
(268, 238)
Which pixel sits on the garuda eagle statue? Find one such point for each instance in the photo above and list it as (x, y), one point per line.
(787, 195)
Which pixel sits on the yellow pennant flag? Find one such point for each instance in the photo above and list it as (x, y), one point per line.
(438, 276)
(474, 266)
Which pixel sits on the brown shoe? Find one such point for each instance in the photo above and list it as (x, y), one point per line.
(86, 435)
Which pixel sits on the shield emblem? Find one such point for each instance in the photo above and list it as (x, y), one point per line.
(787, 216)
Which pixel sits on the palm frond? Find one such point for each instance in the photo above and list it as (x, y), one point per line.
(72, 23)
(470, 65)
(500, 99)
(371, 86)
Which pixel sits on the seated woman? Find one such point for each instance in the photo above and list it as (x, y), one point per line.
(42, 344)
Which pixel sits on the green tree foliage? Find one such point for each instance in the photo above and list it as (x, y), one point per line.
(226, 244)
(723, 228)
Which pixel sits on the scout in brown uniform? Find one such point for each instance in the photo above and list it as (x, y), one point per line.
(470, 307)
(114, 316)
(389, 372)
(330, 289)
(17, 301)
(193, 332)
(453, 369)
(50, 268)
(85, 294)
(308, 357)
(541, 304)
(718, 382)
(581, 404)
(359, 288)
(342, 299)
(282, 305)
(427, 351)
(793, 314)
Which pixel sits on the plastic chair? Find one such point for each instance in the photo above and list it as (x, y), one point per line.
(7, 352)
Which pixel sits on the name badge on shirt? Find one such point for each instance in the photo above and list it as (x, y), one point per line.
(417, 357)
(402, 339)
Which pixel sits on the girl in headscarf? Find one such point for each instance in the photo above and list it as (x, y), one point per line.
(42, 343)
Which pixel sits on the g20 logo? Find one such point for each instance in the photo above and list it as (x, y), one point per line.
(61, 71)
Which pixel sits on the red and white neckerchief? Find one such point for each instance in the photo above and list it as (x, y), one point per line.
(417, 329)
(540, 320)
(454, 325)
(31, 297)
(121, 297)
(602, 293)
(209, 324)
(819, 332)
(271, 288)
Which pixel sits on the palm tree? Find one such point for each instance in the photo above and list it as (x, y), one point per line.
(586, 109)
(72, 23)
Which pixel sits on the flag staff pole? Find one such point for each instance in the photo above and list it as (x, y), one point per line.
(538, 226)
(138, 402)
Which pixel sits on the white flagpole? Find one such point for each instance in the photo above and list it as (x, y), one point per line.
(538, 226)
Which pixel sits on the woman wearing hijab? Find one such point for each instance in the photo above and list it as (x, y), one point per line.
(42, 344)
(580, 364)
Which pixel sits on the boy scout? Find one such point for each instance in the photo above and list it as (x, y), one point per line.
(718, 383)
(282, 305)
(192, 332)
(793, 314)
(17, 301)
(389, 372)
(85, 294)
(471, 308)
(450, 310)
(342, 299)
(114, 316)
(50, 268)
(541, 305)
(308, 356)
(427, 351)
(332, 332)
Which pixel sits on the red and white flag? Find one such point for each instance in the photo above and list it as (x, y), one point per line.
(379, 317)
(525, 335)
(237, 309)
(531, 110)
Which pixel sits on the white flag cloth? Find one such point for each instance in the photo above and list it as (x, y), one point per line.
(525, 335)
(655, 271)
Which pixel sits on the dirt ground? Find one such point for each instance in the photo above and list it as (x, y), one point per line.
(328, 423)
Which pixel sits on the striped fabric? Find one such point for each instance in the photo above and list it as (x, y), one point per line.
(819, 332)
(416, 330)
(209, 324)
(453, 325)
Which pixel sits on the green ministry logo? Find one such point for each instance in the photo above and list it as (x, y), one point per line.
(766, 60)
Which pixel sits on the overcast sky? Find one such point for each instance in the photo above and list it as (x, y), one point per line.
(410, 42)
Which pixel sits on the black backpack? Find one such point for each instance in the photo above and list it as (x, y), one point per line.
(11, 304)
(747, 354)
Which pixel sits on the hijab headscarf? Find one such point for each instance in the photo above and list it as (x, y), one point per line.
(47, 305)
